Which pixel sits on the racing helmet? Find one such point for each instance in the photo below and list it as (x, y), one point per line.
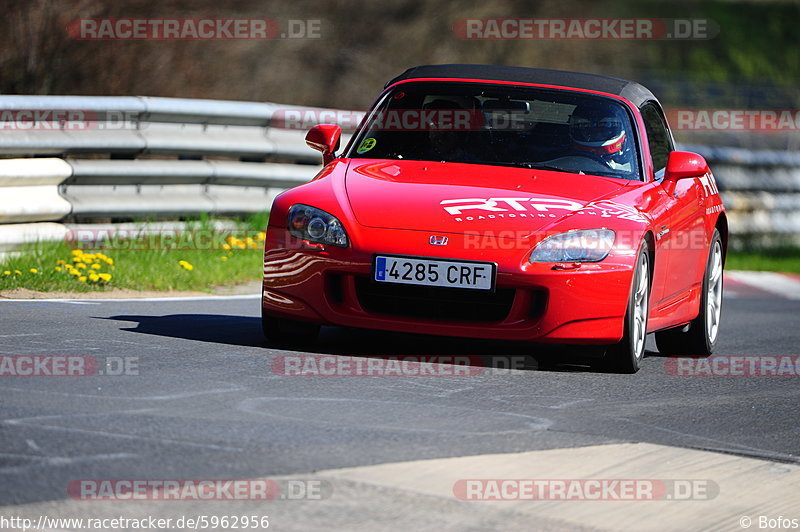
(601, 132)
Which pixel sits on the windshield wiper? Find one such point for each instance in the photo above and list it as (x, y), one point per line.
(554, 168)
(538, 166)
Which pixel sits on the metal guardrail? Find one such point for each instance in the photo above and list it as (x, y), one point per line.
(102, 159)
(137, 157)
(122, 158)
(29, 190)
(136, 126)
(760, 189)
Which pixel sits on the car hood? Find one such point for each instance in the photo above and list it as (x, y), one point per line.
(453, 197)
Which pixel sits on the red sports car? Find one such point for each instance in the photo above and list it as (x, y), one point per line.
(507, 203)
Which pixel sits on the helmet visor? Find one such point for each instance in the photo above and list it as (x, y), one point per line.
(599, 130)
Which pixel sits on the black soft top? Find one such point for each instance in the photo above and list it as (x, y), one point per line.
(635, 93)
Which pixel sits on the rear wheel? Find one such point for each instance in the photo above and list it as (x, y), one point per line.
(627, 355)
(700, 336)
(290, 332)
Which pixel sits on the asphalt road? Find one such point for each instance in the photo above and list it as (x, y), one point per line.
(206, 402)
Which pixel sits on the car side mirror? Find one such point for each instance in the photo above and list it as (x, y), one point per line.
(681, 164)
(325, 138)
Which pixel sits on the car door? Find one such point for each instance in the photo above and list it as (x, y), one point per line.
(683, 236)
(660, 145)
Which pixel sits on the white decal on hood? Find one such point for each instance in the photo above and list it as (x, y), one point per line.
(517, 204)
(612, 209)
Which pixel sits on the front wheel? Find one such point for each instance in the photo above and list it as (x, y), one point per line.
(627, 355)
(700, 337)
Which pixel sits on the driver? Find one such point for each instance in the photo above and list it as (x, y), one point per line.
(599, 133)
(445, 143)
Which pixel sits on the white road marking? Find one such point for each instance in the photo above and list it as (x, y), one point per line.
(559, 402)
(55, 461)
(171, 397)
(255, 405)
(33, 423)
(774, 283)
(91, 301)
(132, 437)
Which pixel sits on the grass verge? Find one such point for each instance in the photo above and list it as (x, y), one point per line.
(786, 260)
(197, 259)
(202, 258)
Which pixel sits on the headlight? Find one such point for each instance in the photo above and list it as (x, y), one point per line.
(309, 223)
(584, 245)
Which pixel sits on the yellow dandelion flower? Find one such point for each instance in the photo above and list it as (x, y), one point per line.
(7, 272)
(59, 261)
(93, 277)
(82, 278)
(77, 252)
(33, 270)
(17, 272)
(96, 266)
(186, 265)
(80, 266)
(261, 236)
(74, 272)
(109, 260)
(223, 258)
(105, 277)
(226, 247)
(58, 268)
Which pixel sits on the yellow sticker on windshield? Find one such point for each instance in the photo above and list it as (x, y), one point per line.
(366, 145)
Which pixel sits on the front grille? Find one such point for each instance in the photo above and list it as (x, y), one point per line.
(433, 302)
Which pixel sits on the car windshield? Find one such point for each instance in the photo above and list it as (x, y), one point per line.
(561, 130)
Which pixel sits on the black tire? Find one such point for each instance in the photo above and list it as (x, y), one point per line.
(289, 332)
(627, 355)
(699, 337)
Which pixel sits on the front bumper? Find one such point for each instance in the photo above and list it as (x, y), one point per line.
(532, 302)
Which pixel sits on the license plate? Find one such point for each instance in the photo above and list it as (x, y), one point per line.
(435, 272)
